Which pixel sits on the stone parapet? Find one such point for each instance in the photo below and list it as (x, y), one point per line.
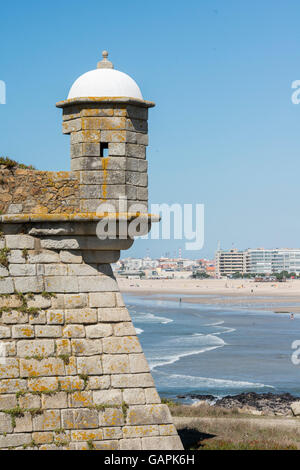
(40, 192)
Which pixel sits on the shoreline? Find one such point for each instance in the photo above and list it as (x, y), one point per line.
(241, 293)
(271, 298)
(265, 403)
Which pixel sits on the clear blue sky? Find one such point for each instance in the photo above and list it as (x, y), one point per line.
(224, 132)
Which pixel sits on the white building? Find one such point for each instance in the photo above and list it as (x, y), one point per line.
(261, 261)
(257, 261)
(138, 264)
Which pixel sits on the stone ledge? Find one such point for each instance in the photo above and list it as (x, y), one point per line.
(106, 99)
(77, 217)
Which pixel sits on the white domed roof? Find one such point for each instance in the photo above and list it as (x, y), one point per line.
(105, 82)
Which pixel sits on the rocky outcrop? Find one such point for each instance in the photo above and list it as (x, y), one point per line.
(255, 403)
(295, 407)
(268, 403)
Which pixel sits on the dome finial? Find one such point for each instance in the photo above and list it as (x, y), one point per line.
(105, 63)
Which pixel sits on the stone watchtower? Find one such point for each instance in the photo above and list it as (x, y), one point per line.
(72, 371)
(107, 118)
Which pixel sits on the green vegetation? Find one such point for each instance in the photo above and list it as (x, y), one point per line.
(22, 297)
(167, 401)
(35, 411)
(4, 256)
(24, 307)
(65, 358)
(102, 407)
(36, 357)
(48, 295)
(59, 431)
(31, 444)
(14, 413)
(125, 408)
(248, 445)
(203, 411)
(206, 427)
(22, 393)
(90, 445)
(32, 311)
(284, 275)
(85, 378)
(8, 163)
(61, 443)
(61, 439)
(25, 254)
(200, 275)
(278, 276)
(19, 412)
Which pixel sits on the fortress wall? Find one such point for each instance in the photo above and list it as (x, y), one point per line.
(72, 371)
(42, 192)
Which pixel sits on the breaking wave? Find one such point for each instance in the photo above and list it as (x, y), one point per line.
(179, 347)
(206, 383)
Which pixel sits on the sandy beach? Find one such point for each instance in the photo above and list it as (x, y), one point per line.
(221, 291)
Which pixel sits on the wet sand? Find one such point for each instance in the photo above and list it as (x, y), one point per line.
(285, 295)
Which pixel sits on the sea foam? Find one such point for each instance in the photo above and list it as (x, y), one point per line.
(206, 383)
(179, 347)
(148, 317)
(139, 331)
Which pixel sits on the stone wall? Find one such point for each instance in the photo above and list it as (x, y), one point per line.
(43, 192)
(72, 371)
(123, 131)
(119, 129)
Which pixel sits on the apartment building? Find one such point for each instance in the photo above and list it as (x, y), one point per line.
(262, 261)
(257, 261)
(230, 262)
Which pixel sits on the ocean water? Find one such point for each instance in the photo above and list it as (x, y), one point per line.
(218, 350)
